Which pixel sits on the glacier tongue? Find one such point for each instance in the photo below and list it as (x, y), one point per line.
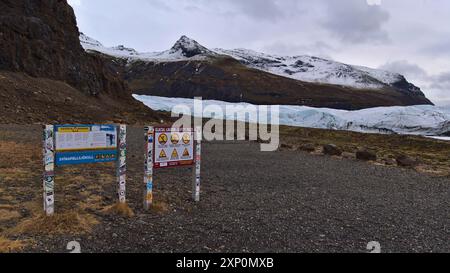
(417, 120)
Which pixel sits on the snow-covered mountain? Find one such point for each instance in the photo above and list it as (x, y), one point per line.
(184, 49)
(304, 68)
(319, 70)
(424, 120)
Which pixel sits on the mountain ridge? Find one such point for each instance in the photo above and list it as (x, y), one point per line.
(189, 69)
(301, 67)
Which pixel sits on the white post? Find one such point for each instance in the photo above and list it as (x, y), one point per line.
(122, 163)
(49, 169)
(198, 163)
(148, 172)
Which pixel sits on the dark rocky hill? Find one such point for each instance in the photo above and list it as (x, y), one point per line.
(41, 39)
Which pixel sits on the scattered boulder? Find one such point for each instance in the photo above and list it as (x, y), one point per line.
(406, 161)
(332, 149)
(348, 155)
(366, 155)
(285, 146)
(308, 147)
(389, 161)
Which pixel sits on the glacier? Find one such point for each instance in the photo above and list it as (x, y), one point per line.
(424, 120)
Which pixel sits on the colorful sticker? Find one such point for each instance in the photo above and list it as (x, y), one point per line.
(148, 175)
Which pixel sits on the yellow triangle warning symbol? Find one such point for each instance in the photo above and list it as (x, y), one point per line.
(186, 153)
(162, 154)
(175, 154)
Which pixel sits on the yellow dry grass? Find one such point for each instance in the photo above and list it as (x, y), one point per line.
(8, 246)
(160, 207)
(18, 154)
(72, 223)
(15, 174)
(121, 209)
(92, 202)
(7, 214)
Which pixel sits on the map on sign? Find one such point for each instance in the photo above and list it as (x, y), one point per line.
(82, 144)
(174, 147)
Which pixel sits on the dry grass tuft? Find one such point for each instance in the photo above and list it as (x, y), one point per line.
(6, 214)
(8, 246)
(92, 202)
(15, 174)
(13, 154)
(121, 209)
(72, 223)
(160, 207)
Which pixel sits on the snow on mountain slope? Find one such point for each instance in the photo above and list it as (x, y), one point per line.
(304, 68)
(314, 69)
(417, 120)
(184, 49)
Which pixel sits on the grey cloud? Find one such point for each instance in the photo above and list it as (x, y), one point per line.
(442, 82)
(260, 9)
(437, 86)
(318, 49)
(438, 49)
(349, 31)
(410, 70)
(354, 21)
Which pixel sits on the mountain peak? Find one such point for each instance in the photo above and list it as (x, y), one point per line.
(189, 48)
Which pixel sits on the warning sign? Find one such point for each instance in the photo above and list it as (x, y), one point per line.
(162, 155)
(175, 147)
(186, 138)
(175, 138)
(162, 139)
(175, 155)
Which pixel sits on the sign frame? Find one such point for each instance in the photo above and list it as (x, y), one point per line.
(150, 165)
(52, 158)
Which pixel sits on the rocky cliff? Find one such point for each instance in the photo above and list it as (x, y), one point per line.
(41, 39)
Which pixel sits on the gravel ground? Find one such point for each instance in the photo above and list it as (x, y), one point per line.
(274, 202)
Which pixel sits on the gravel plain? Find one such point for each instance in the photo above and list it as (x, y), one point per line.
(286, 202)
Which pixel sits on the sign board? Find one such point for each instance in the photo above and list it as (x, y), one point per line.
(83, 144)
(173, 147)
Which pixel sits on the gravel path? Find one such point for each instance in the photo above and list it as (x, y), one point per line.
(276, 202)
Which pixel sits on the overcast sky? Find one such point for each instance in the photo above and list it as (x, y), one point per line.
(411, 37)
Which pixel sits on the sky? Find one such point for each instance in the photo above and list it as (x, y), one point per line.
(410, 37)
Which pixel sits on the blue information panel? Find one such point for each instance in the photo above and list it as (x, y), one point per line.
(84, 144)
(86, 157)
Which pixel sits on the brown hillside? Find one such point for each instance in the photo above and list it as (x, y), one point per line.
(223, 78)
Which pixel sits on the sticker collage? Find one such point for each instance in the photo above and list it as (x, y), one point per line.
(180, 141)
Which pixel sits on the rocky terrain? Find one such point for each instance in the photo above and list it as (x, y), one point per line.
(189, 69)
(43, 66)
